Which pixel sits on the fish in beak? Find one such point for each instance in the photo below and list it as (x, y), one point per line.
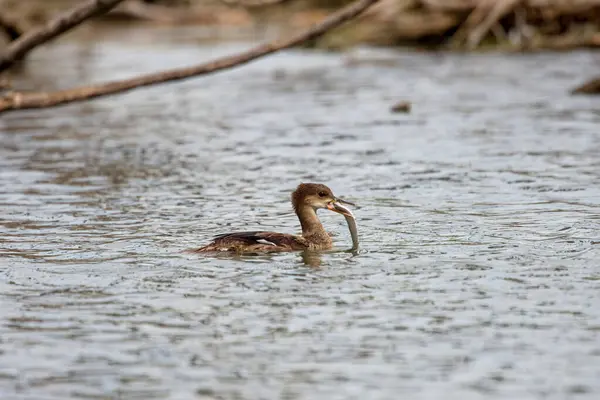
(337, 206)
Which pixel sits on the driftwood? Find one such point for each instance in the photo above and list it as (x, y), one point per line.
(467, 24)
(484, 16)
(64, 22)
(18, 100)
(590, 87)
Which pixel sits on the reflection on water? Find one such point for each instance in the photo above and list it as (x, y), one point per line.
(478, 217)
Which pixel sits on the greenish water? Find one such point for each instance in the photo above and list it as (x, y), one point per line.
(479, 219)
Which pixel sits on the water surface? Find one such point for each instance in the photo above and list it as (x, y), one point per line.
(479, 218)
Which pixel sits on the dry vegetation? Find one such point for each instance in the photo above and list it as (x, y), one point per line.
(458, 24)
(522, 25)
(509, 24)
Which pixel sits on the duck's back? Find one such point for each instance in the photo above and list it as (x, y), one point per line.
(256, 241)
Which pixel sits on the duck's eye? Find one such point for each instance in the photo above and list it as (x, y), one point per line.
(322, 194)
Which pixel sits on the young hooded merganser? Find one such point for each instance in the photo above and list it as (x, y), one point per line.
(306, 200)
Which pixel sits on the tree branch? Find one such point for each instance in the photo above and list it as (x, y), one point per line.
(15, 101)
(64, 22)
(498, 10)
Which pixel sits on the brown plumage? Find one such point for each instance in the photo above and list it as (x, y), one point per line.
(306, 200)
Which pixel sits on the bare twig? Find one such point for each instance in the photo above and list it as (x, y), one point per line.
(499, 9)
(484, 15)
(64, 22)
(522, 33)
(39, 100)
(498, 32)
(476, 15)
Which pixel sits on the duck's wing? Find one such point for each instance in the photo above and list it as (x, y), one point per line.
(253, 241)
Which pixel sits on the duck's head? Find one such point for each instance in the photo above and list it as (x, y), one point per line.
(316, 196)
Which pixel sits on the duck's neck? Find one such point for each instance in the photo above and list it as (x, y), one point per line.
(311, 226)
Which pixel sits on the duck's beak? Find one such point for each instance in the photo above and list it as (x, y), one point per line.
(337, 206)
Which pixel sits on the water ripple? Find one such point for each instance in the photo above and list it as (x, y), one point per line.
(478, 216)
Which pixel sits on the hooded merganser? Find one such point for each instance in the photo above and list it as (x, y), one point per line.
(306, 200)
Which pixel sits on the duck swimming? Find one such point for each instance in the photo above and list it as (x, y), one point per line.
(306, 200)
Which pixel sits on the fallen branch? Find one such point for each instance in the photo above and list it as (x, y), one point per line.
(472, 24)
(499, 9)
(64, 22)
(484, 15)
(16, 100)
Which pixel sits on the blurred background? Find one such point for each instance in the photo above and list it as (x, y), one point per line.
(462, 24)
(453, 126)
